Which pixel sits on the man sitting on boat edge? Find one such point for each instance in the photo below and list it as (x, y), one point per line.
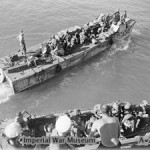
(108, 128)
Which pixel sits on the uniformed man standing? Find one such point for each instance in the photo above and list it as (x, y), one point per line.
(20, 37)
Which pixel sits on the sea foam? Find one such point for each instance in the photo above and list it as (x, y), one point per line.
(5, 93)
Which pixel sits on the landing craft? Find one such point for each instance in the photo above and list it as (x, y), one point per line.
(20, 75)
(36, 123)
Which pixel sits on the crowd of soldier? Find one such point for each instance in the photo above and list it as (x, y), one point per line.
(118, 117)
(88, 33)
(131, 117)
(67, 43)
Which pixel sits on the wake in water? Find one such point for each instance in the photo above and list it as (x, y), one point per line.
(136, 32)
(106, 56)
(120, 46)
(5, 93)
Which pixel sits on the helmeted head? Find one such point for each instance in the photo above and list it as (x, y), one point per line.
(115, 108)
(97, 108)
(127, 106)
(19, 114)
(63, 124)
(76, 112)
(85, 26)
(53, 36)
(107, 14)
(21, 31)
(144, 102)
(117, 11)
(50, 127)
(13, 130)
(67, 31)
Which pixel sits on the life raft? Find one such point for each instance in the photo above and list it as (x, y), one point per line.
(2, 76)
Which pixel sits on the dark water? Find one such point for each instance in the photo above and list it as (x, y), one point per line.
(123, 73)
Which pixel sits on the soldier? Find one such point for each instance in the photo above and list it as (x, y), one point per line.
(78, 126)
(62, 129)
(54, 42)
(82, 36)
(20, 37)
(108, 128)
(124, 15)
(21, 119)
(116, 18)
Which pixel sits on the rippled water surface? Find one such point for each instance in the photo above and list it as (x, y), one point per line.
(122, 73)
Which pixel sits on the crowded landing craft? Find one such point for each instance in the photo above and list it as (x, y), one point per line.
(119, 124)
(68, 48)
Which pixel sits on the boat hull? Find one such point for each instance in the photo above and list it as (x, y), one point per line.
(36, 75)
(23, 77)
(38, 121)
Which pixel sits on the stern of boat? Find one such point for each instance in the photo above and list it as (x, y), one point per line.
(5, 81)
(2, 75)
